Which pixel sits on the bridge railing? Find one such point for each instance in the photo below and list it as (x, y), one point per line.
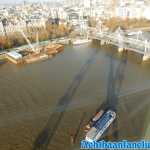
(127, 42)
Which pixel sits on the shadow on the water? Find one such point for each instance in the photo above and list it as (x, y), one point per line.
(45, 137)
(131, 109)
(78, 128)
(115, 79)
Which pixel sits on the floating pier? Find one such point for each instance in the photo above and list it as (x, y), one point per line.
(29, 56)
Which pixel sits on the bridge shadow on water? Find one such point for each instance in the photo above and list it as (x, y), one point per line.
(44, 138)
(115, 80)
(115, 88)
(78, 128)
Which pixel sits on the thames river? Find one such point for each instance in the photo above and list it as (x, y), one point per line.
(43, 105)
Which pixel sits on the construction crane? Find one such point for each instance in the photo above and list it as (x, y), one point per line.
(33, 49)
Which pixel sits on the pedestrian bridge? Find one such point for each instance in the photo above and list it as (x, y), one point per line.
(123, 42)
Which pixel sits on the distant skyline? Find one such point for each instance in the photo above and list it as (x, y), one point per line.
(2, 2)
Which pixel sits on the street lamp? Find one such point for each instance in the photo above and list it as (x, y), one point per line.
(138, 34)
(146, 44)
(4, 23)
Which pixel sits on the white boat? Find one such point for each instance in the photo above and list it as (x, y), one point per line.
(64, 41)
(100, 126)
(80, 41)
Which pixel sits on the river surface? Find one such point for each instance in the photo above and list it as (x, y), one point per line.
(43, 105)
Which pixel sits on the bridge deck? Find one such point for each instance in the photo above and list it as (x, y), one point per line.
(125, 42)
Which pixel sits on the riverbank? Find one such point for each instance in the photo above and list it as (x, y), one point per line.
(34, 34)
(2, 57)
(64, 41)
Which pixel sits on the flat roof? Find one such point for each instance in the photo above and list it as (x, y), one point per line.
(14, 55)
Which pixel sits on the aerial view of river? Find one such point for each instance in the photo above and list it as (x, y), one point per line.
(43, 105)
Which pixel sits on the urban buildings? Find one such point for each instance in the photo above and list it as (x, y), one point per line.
(75, 12)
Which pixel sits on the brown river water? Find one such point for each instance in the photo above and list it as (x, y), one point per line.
(43, 104)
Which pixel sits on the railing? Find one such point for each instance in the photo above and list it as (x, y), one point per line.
(126, 42)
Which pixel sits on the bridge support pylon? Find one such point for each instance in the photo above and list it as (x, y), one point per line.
(146, 57)
(120, 49)
(102, 42)
(107, 42)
